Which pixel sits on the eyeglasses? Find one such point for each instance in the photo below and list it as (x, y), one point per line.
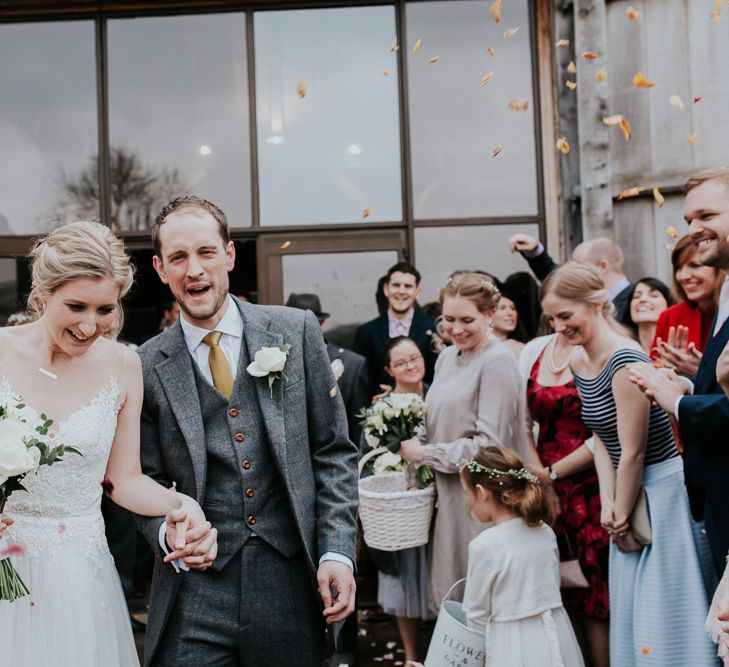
(415, 360)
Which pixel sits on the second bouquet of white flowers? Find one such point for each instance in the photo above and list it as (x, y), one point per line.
(388, 422)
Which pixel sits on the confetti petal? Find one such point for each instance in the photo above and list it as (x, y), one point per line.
(485, 80)
(622, 123)
(61, 528)
(394, 46)
(646, 650)
(301, 90)
(640, 80)
(600, 76)
(571, 84)
(715, 16)
(572, 68)
(12, 550)
(508, 34)
(633, 14)
(285, 245)
(562, 145)
(386, 74)
(660, 199)
(671, 232)
(333, 391)
(677, 102)
(630, 192)
(417, 45)
(692, 138)
(496, 150)
(697, 99)
(495, 10)
(563, 43)
(390, 645)
(590, 55)
(433, 60)
(366, 213)
(518, 105)
(490, 51)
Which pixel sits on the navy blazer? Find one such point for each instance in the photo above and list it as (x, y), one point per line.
(372, 336)
(704, 424)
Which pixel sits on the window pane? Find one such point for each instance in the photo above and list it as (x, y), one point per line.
(345, 283)
(441, 250)
(48, 125)
(456, 122)
(8, 289)
(178, 115)
(332, 155)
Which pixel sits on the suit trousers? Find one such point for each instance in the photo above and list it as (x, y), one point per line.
(261, 610)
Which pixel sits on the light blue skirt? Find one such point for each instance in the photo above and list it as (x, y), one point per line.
(659, 596)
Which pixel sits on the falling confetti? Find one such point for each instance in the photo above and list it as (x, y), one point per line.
(390, 645)
(386, 74)
(394, 46)
(485, 80)
(417, 45)
(301, 90)
(630, 192)
(433, 60)
(715, 16)
(622, 123)
(562, 145)
(640, 80)
(671, 232)
(571, 84)
(600, 76)
(495, 10)
(646, 650)
(490, 51)
(660, 199)
(590, 55)
(518, 105)
(677, 102)
(285, 245)
(366, 213)
(61, 528)
(697, 99)
(496, 150)
(508, 34)
(692, 138)
(572, 68)
(12, 550)
(633, 14)
(563, 43)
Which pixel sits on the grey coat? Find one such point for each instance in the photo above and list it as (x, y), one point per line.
(306, 427)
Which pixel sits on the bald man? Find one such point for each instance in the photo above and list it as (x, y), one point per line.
(603, 253)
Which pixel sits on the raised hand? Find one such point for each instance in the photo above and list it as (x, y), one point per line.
(333, 575)
(677, 352)
(523, 243)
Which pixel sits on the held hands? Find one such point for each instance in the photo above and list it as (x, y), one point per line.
(411, 450)
(619, 528)
(333, 575)
(678, 353)
(190, 536)
(523, 243)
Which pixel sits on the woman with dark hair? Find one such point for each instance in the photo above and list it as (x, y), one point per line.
(506, 324)
(524, 291)
(683, 330)
(648, 299)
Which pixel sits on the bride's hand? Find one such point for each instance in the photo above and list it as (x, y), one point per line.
(411, 450)
(191, 535)
(5, 521)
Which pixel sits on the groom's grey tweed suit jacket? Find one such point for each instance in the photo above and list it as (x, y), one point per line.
(302, 428)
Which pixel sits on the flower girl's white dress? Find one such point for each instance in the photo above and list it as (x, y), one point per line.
(75, 615)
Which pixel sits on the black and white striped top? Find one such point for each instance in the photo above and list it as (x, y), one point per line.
(600, 415)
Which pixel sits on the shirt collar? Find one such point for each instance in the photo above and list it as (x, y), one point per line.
(231, 325)
(403, 321)
(618, 286)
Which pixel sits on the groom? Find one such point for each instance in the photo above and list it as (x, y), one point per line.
(267, 456)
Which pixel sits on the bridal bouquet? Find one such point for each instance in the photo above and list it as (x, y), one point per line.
(388, 422)
(24, 447)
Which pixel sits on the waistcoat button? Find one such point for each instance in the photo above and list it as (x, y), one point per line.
(252, 520)
(246, 465)
(239, 437)
(233, 412)
(249, 493)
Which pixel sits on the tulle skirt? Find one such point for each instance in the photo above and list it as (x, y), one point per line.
(75, 615)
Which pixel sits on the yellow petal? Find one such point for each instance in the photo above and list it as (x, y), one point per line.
(658, 197)
(590, 55)
(572, 68)
(518, 105)
(386, 74)
(366, 213)
(417, 45)
(394, 46)
(495, 10)
(633, 14)
(692, 138)
(490, 51)
(285, 245)
(301, 90)
(677, 102)
(496, 150)
(563, 43)
(718, 5)
(600, 76)
(485, 80)
(671, 232)
(571, 84)
(640, 80)
(562, 146)
(433, 60)
(621, 122)
(510, 32)
(630, 192)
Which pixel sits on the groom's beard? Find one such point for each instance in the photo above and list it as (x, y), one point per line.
(205, 312)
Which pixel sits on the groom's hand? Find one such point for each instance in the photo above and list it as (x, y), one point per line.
(182, 538)
(333, 574)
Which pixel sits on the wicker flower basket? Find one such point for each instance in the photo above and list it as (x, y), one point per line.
(393, 518)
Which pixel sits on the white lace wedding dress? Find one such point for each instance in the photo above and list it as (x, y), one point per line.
(75, 615)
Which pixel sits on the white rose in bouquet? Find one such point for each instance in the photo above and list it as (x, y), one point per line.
(387, 462)
(267, 360)
(15, 458)
(372, 440)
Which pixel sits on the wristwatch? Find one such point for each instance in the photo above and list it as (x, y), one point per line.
(552, 474)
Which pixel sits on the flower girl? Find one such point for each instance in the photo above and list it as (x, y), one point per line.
(512, 590)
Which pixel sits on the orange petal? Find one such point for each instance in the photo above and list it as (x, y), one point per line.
(386, 73)
(571, 84)
(496, 150)
(658, 197)
(417, 45)
(646, 650)
(692, 138)
(590, 55)
(366, 213)
(715, 16)
(640, 80)
(677, 102)
(394, 46)
(622, 123)
(495, 10)
(563, 43)
(301, 90)
(600, 76)
(518, 105)
(485, 80)
(562, 146)
(433, 60)
(490, 51)
(633, 13)
(671, 232)
(285, 245)
(630, 192)
(572, 68)
(510, 33)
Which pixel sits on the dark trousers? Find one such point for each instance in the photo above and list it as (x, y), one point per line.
(261, 610)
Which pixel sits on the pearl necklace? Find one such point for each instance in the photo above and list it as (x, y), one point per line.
(551, 365)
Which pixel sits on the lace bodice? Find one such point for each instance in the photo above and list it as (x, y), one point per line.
(71, 487)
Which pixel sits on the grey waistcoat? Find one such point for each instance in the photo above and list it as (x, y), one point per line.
(244, 493)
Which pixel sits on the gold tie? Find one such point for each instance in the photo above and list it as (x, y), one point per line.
(222, 377)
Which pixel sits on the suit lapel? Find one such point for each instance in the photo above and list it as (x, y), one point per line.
(177, 377)
(706, 375)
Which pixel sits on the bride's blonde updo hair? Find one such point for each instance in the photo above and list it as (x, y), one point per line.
(477, 287)
(78, 250)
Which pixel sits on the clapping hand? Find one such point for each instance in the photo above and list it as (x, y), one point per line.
(660, 385)
(677, 352)
(335, 576)
(190, 535)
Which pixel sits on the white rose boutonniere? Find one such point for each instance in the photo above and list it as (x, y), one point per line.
(269, 362)
(337, 368)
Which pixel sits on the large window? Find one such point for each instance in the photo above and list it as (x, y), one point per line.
(48, 125)
(178, 115)
(327, 116)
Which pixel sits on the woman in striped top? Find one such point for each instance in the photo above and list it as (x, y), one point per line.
(658, 591)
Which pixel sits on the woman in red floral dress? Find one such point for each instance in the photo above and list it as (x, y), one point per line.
(565, 463)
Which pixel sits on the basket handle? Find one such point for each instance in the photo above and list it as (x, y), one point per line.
(450, 590)
(368, 456)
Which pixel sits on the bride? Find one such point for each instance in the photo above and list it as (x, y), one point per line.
(62, 366)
